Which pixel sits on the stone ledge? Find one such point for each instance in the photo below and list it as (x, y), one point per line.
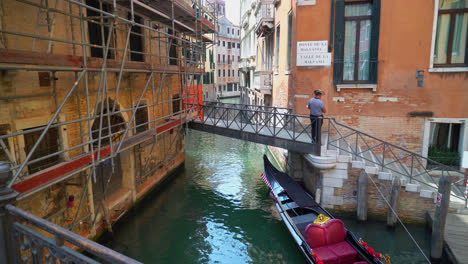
(387, 176)
(411, 187)
(356, 164)
(321, 162)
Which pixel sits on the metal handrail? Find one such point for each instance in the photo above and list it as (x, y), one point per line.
(292, 123)
(388, 148)
(21, 233)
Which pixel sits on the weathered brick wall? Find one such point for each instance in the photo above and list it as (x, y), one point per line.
(411, 207)
(405, 132)
(24, 111)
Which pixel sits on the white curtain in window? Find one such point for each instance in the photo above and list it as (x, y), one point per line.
(459, 38)
(441, 45)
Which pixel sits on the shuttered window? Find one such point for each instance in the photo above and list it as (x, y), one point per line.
(356, 41)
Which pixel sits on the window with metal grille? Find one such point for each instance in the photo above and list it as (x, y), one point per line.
(98, 31)
(175, 103)
(48, 145)
(173, 54)
(141, 118)
(136, 40)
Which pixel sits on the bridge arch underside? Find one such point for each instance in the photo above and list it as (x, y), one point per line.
(293, 145)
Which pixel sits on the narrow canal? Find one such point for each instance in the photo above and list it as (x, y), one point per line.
(215, 211)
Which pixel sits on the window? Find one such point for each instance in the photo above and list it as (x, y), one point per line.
(238, 45)
(356, 42)
(229, 59)
(218, 42)
(232, 73)
(238, 58)
(229, 45)
(141, 118)
(219, 58)
(136, 40)
(173, 55)
(238, 32)
(277, 43)
(289, 54)
(224, 43)
(445, 144)
(219, 73)
(224, 73)
(228, 30)
(229, 73)
(224, 58)
(48, 145)
(95, 30)
(451, 36)
(175, 103)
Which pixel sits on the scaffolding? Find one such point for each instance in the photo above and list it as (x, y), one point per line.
(144, 58)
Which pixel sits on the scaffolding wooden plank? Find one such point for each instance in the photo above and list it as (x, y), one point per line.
(59, 60)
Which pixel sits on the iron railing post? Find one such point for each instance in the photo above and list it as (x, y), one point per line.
(7, 196)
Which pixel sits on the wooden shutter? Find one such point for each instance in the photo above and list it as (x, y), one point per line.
(374, 45)
(338, 51)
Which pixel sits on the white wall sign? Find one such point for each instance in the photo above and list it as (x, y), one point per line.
(313, 53)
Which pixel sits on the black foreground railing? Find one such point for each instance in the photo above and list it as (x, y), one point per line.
(384, 156)
(30, 244)
(26, 238)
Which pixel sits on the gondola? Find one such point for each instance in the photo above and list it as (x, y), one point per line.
(321, 238)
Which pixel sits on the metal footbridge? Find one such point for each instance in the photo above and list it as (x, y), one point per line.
(274, 126)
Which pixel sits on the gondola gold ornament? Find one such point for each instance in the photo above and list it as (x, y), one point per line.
(321, 220)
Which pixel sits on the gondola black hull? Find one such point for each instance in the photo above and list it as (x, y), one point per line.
(298, 210)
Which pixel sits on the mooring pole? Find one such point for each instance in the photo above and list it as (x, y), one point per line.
(363, 186)
(391, 216)
(440, 216)
(7, 196)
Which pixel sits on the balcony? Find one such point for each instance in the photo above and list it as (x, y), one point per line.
(265, 16)
(244, 65)
(263, 81)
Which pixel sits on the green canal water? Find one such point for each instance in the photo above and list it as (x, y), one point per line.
(215, 210)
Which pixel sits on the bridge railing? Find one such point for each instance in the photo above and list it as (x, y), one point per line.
(263, 120)
(397, 160)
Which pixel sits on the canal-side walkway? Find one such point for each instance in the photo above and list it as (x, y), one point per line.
(456, 237)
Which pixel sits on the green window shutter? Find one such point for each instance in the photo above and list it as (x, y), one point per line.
(338, 47)
(374, 45)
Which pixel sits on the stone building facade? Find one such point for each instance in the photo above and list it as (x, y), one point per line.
(227, 57)
(135, 118)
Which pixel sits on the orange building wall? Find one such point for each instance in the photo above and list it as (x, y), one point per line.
(404, 46)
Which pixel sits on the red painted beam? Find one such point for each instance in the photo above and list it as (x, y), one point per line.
(62, 169)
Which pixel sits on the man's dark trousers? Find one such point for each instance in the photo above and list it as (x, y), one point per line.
(316, 125)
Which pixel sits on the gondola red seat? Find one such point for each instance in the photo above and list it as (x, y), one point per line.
(328, 242)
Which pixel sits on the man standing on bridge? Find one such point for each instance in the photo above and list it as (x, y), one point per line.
(317, 109)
